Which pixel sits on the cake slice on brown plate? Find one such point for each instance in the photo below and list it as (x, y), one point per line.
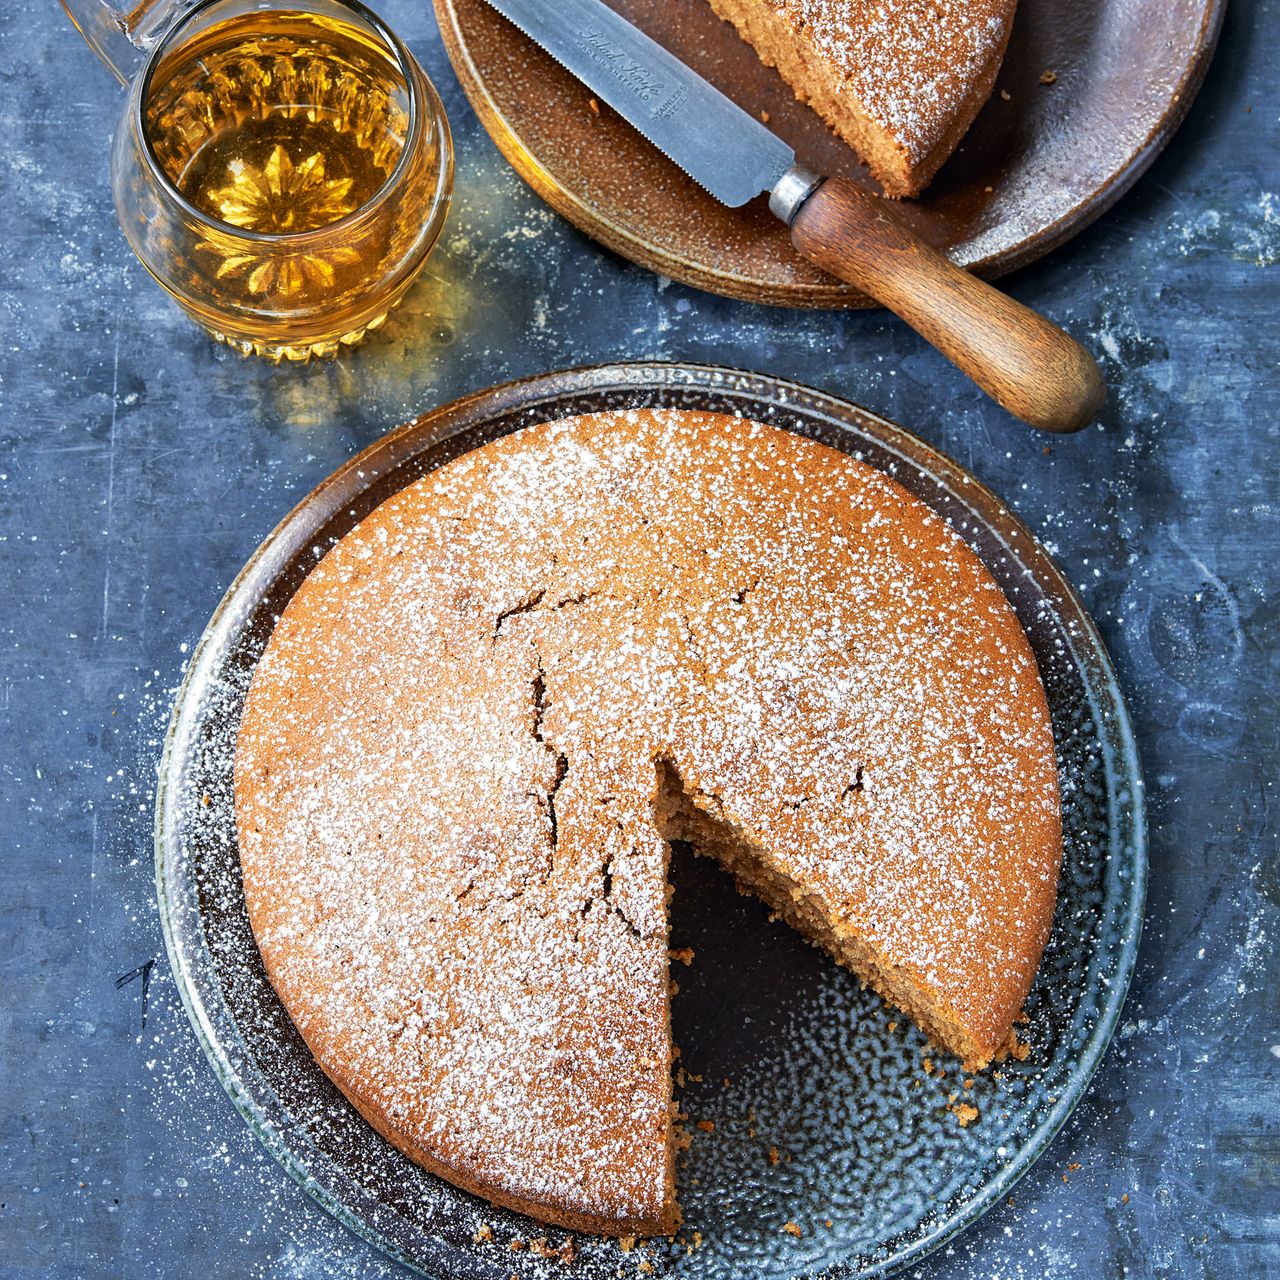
(899, 80)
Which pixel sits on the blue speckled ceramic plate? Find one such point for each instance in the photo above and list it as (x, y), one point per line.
(825, 1117)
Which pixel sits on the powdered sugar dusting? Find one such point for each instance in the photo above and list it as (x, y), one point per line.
(447, 770)
(910, 64)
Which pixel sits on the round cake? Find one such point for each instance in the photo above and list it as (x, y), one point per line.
(491, 706)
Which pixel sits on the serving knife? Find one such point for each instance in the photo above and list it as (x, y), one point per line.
(1020, 359)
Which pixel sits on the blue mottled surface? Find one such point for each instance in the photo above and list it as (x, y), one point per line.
(140, 465)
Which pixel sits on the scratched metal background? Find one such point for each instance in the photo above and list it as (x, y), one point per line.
(140, 465)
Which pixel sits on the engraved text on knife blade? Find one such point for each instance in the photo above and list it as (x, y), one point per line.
(647, 86)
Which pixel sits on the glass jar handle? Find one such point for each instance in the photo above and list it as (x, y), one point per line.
(123, 33)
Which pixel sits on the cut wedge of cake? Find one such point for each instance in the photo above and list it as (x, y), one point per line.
(899, 80)
(488, 709)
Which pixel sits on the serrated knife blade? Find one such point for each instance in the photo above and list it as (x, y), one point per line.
(708, 135)
(1017, 357)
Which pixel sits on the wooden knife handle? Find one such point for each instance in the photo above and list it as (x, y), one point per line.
(1017, 357)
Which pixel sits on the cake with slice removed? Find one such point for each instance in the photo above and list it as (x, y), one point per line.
(490, 706)
(899, 80)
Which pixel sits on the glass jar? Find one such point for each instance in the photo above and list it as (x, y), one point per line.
(282, 170)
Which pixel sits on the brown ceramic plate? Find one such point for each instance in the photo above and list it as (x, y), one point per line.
(1037, 165)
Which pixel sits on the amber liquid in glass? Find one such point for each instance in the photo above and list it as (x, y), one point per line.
(279, 123)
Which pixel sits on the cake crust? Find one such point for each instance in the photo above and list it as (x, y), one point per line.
(900, 81)
(487, 710)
